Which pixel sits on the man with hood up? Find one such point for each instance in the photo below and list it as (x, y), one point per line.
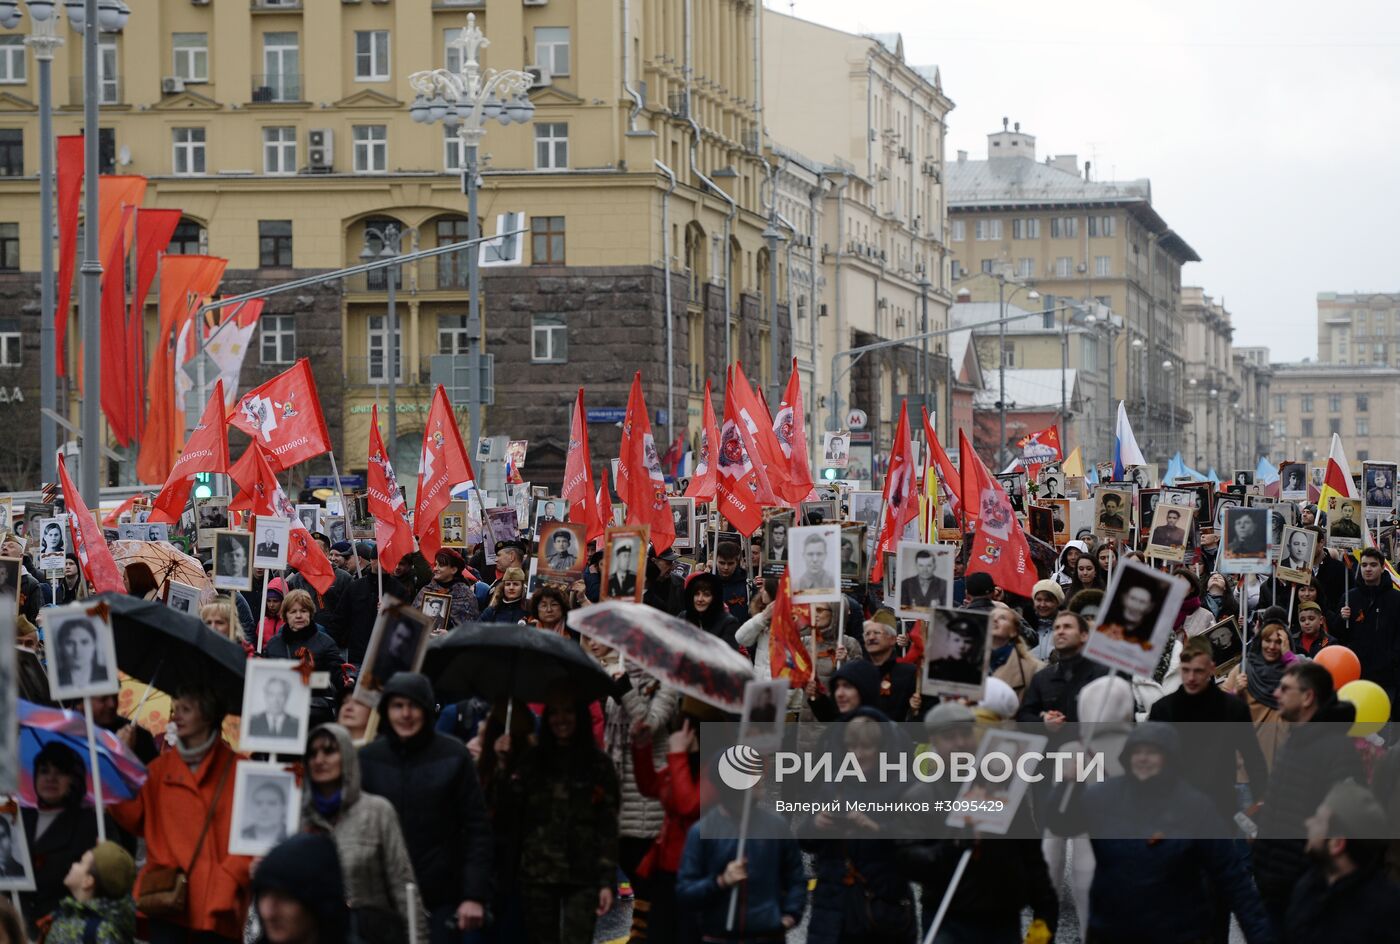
(1153, 876)
(299, 894)
(430, 779)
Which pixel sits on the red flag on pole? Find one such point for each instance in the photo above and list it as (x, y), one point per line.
(117, 403)
(304, 555)
(94, 557)
(640, 482)
(948, 475)
(578, 489)
(257, 483)
(70, 191)
(284, 417)
(757, 429)
(442, 465)
(789, 426)
(386, 502)
(788, 658)
(603, 514)
(205, 451)
(153, 231)
(736, 479)
(702, 482)
(999, 546)
(1039, 448)
(901, 501)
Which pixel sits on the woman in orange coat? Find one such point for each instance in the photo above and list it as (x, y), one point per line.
(181, 785)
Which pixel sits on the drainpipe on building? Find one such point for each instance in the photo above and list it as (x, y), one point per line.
(670, 321)
(637, 101)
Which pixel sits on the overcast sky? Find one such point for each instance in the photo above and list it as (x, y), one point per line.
(1266, 128)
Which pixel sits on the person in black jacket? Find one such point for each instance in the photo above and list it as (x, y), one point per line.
(665, 590)
(430, 779)
(1316, 755)
(898, 680)
(1053, 694)
(1370, 626)
(704, 608)
(300, 632)
(1346, 897)
(357, 608)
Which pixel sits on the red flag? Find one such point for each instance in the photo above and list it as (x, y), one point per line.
(1039, 448)
(94, 557)
(205, 451)
(442, 465)
(386, 503)
(640, 482)
(115, 517)
(736, 479)
(304, 555)
(789, 426)
(603, 514)
(949, 479)
(153, 231)
(702, 482)
(257, 483)
(70, 191)
(578, 489)
(284, 417)
(788, 658)
(901, 495)
(999, 546)
(757, 429)
(116, 395)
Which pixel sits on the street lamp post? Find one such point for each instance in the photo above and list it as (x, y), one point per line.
(43, 40)
(772, 236)
(467, 100)
(1219, 446)
(1168, 367)
(925, 375)
(1002, 300)
(389, 239)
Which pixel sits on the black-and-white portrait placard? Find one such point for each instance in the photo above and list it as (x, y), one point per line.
(683, 519)
(53, 542)
(924, 577)
(398, 644)
(1378, 487)
(765, 707)
(562, 556)
(16, 868)
(271, 536)
(1293, 481)
(183, 598)
(814, 563)
(276, 708)
(82, 653)
(1171, 525)
(310, 516)
(1113, 512)
(776, 527)
(211, 515)
(854, 568)
(1295, 555)
(956, 653)
(233, 560)
(1136, 617)
(266, 807)
(1345, 522)
(624, 563)
(438, 608)
(1244, 546)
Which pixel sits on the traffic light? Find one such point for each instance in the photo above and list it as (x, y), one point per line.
(204, 485)
(830, 474)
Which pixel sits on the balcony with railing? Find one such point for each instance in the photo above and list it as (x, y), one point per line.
(276, 87)
(373, 371)
(275, 6)
(447, 274)
(376, 281)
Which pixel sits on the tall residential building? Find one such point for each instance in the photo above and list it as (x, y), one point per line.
(1049, 226)
(1310, 402)
(1358, 328)
(875, 125)
(287, 138)
(1226, 390)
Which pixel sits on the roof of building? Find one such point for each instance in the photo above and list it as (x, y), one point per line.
(893, 43)
(1310, 367)
(1028, 389)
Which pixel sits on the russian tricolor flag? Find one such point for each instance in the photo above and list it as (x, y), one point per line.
(1125, 447)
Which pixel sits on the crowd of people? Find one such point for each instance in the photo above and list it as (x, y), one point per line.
(486, 821)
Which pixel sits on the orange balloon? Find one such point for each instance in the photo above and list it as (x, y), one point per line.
(1341, 662)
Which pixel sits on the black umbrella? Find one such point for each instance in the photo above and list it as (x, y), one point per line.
(494, 660)
(170, 649)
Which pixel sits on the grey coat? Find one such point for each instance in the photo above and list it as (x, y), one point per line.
(373, 854)
(646, 700)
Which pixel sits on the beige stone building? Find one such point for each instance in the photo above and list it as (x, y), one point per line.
(282, 141)
(1049, 225)
(1358, 328)
(1310, 402)
(1224, 390)
(875, 124)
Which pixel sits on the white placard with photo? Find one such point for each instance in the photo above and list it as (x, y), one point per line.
(128, 531)
(53, 542)
(183, 598)
(276, 708)
(271, 536)
(1244, 545)
(16, 868)
(814, 563)
(233, 560)
(266, 807)
(82, 654)
(1345, 523)
(310, 516)
(836, 449)
(957, 653)
(1295, 555)
(1136, 618)
(398, 644)
(765, 707)
(924, 576)
(996, 802)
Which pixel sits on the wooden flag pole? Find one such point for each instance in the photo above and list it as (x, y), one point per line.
(96, 771)
(340, 491)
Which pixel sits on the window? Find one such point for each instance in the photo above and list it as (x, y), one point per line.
(1008, 355)
(551, 145)
(1334, 426)
(280, 150)
(1363, 402)
(279, 338)
(452, 53)
(189, 150)
(9, 246)
(452, 267)
(1025, 268)
(547, 240)
(1280, 403)
(371, 55)
(378, 349)
(987, 229)
(1063, 266)
(453, 157)
(1363, 454)
(107, 77)
(191, 56)
(188, 239)
(1103, 266)
(1307, 428)
(106, 150)
(1334, 403)
(12, 60)
(281, 81)
(959, 230)
(274, 243)
(1028, 228)
(11, 351)
(1101, 225)
(1307, 403)
(988, 265)
(1064, 227)
(1363, 427)
(371, 149)
(1280, 428)
(955, 269)
(452, 334)
(11, 152)
(552, 49)
(549, 339)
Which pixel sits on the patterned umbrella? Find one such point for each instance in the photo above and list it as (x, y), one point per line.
(122, 773)
(167, 563)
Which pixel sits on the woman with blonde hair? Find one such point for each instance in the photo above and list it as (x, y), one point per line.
(221, 616)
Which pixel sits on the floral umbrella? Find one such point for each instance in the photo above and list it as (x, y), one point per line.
(167, 563)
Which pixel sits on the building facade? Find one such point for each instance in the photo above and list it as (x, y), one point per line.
(287, 140)
(1310, 402)
(1225, 389)
(1358, 328)
(1050, 227)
